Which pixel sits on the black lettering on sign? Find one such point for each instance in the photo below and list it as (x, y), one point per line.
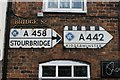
(95, 37)
(39, 33)
(90, 37)
(25, 33)
(110, 69)
(81, 37)
(101, 37)
(44, 33)
(34, 33)
(27, 43)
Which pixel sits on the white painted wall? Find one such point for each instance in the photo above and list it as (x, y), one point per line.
(3, 9)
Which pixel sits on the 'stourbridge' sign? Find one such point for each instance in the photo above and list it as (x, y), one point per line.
(33, 38)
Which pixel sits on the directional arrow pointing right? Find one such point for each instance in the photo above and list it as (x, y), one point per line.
(56, 38)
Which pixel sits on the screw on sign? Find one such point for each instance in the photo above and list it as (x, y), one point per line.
(33, 38)
(85, 37)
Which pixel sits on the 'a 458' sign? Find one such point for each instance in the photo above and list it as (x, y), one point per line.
(80, 37)
(33, 38)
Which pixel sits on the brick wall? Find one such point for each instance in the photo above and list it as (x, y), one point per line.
(23, 63)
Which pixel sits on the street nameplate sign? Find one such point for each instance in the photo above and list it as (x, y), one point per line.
(85, 37)
(33, 38)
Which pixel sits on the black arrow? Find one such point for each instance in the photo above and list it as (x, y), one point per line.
(58, 38)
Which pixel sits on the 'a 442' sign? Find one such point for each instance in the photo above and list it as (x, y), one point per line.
(85, 37)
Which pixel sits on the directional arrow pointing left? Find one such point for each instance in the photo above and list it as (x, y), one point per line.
(33, 38)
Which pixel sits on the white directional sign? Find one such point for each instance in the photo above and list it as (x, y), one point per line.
(33, 38)
(85, 37)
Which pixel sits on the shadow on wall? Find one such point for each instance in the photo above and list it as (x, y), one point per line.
(0, 70)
